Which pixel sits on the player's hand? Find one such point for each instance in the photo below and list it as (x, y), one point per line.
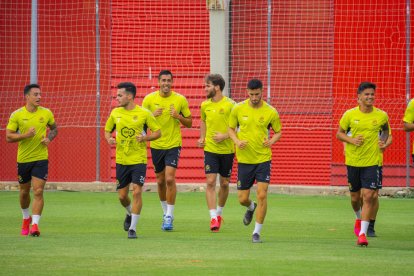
(241, 144)
(382, 145)
(173, 112)
(267, 143)
(30, 133)
(358, 140)
(45, 141)
(111, 141)
(219, 137)
(140, 138)
(201, 143)
(157, 112)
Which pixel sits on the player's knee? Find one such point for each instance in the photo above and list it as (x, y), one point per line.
(224, 187)
(261, 195)
(224, 184)
(369, 198)
(211, 183)
(243, 200)
(137, 192)
(38, 192)
(160, 180)
(355, 201)
(170, 181)
(24, 193)
(123, 197)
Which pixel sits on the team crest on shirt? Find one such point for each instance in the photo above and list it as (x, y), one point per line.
(356, 121)
(127, 132)
(135, 118)
(221, 111)
(261, 119)
(245, 117)
(41, 120)
(374, 122)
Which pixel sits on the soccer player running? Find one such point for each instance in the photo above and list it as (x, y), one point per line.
(368, 131)
(130, 122)
(356, 206)
(28, 126)
(218, 147)
(171, 111)
(408, 120)
(252, 118)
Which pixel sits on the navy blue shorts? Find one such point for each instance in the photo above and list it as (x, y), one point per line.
(379, 177)
(126, 174)
(218, 163)
(38, 169)
(162, 158)
(362, 177)
(248, 173)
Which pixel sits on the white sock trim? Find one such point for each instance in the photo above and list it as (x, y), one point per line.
(251, 207)
(134, 221)
(213, 213)
(35, 219)
(257, 228)
(170, 210)
(26, 213)
(164, 207)
(128, 209)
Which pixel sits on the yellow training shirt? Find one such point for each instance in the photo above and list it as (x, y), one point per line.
(216, 116)
(128, 124)
(253, 126)
(31, 149)
(368, 125)
(409, 114)
(170, 127)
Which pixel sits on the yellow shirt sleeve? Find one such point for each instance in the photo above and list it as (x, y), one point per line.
(409, 112)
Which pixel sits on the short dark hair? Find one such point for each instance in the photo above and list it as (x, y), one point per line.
(129, 87)
(254, 84)
(216, 79)
(165, 72)
(366, 85)
(30, 86)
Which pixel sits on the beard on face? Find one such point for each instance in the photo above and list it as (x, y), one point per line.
(211, 94)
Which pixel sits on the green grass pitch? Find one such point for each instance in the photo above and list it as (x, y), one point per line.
(82, 233)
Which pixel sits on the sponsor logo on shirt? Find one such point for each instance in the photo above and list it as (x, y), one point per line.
(127, 132)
